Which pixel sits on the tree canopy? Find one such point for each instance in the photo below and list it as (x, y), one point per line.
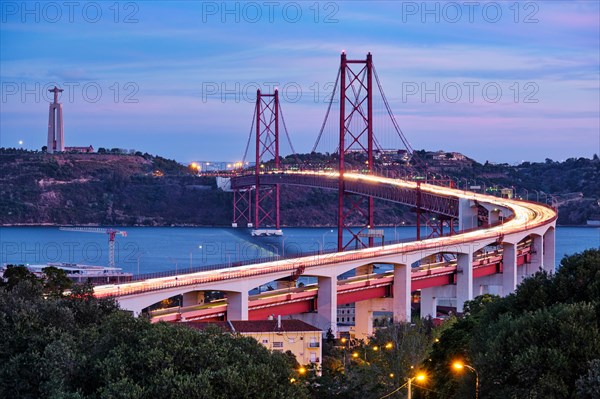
(543, 341)
(82, 347)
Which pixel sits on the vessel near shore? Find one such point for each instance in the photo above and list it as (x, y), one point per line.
(79, 273)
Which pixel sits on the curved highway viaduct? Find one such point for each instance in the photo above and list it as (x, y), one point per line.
(511, 222)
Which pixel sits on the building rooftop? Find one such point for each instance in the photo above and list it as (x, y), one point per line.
(256, 326)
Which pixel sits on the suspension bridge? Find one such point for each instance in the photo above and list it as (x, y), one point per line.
(482, 244)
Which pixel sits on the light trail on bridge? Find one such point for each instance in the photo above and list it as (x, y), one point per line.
(375, 285)
(525, 215)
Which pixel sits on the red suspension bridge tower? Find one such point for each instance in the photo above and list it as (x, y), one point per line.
(356, 136)
(263, 212)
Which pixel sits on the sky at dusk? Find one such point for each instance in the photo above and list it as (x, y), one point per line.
(499, 81)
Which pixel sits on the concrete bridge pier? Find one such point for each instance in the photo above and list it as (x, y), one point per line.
(402, 292)
(536, 257)
(464, 279)
(327, 301)
(488, 285)
(192, 298)
(399, 304)
(429, 298)
(549, 260)
(509, 268)
(237, 305)
(467, 214)
(364, 315)
(494, 216)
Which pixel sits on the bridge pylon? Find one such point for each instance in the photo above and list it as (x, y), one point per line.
(356, 142)
(265, 207)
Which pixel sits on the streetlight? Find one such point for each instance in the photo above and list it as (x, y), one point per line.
(419, 377)
(459, 366)
(139, 255)
(344, 341)
(323, 240)
(283, 247)
(276, 250)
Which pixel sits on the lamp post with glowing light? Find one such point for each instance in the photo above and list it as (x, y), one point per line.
(323, 240)
(302, 371)
(459, 366)
(344, 342)
(419, 377)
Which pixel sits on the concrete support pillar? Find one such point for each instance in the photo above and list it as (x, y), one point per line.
(428, 302)
(327, 301)
(488, 285)
(193, 298)
(549, 257)
(363, 316)
(282, 284)
(362, 270)
(509, 268)
(537, 251)
(493, 216)
(401, 292)
(237, 305)
(464, 280)
(467, 214)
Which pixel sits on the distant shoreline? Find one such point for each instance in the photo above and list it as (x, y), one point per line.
(216, 226)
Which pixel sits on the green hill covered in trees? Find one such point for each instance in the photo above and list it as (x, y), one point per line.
(109, 188)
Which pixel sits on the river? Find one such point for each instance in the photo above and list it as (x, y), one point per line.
(154, 249)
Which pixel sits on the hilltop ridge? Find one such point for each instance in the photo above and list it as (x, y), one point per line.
(147, 190)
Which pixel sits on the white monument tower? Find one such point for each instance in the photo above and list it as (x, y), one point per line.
(56, 139)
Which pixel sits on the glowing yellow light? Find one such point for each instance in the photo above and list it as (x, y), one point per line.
(355, 355)
(458, 365)
(421, 377)
(302, 370)
(389, 345)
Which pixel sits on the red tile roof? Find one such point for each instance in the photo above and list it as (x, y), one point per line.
(257, 326)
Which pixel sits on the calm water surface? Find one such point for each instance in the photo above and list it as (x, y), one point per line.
(153, 249)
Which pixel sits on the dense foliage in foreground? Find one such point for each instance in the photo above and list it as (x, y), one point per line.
(543, 341)
(81, 347)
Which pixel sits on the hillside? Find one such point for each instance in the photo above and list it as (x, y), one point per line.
(40, 188)
(142, 189)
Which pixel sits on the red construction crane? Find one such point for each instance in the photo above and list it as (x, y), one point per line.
(111, 238)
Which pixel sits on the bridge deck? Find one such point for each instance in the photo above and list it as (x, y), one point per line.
(526, 216)
(406, 194)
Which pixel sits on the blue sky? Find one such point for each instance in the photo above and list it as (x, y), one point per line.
(500, 81)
